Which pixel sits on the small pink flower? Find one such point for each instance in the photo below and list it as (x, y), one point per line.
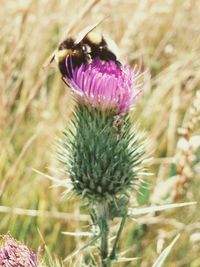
(104, 84)
(15, 254)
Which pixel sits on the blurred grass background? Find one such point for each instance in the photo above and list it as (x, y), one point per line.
(35, 106)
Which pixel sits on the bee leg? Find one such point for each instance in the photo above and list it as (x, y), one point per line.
(119, 64)
(86, 51)
(63, 79)
(49, 62)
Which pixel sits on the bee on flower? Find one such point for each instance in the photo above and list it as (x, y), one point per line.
(90, 66)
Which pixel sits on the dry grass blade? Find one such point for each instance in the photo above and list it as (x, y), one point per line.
(44, 213)
(159, 262)
(141, 211)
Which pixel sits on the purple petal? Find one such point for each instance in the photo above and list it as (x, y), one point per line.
(105, 84)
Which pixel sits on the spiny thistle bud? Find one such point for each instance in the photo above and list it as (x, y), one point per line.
(101, 152)
(15, 254)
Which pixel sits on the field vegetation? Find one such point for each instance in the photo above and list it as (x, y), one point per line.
(35, 106)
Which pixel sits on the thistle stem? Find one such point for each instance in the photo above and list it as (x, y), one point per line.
(104, 228)
(104, 248)
(113, 252)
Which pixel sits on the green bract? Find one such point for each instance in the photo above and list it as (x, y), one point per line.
(101, 154)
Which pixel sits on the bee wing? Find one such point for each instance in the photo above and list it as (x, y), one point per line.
(87, 30)
(112, 46)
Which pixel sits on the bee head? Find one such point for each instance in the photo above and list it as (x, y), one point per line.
(64, 49)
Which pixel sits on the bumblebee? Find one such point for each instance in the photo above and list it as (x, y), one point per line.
(88, 45)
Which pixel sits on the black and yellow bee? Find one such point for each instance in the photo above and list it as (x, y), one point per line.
(88, 45)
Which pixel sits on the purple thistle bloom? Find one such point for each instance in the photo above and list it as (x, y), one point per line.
(15, 254)
(104, 84)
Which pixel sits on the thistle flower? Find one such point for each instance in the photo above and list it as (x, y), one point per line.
(104, 84)
(102, 153)
(15, 254)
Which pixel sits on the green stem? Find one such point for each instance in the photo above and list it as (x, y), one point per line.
(104, 228)
(113, 252)
(104, 247)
